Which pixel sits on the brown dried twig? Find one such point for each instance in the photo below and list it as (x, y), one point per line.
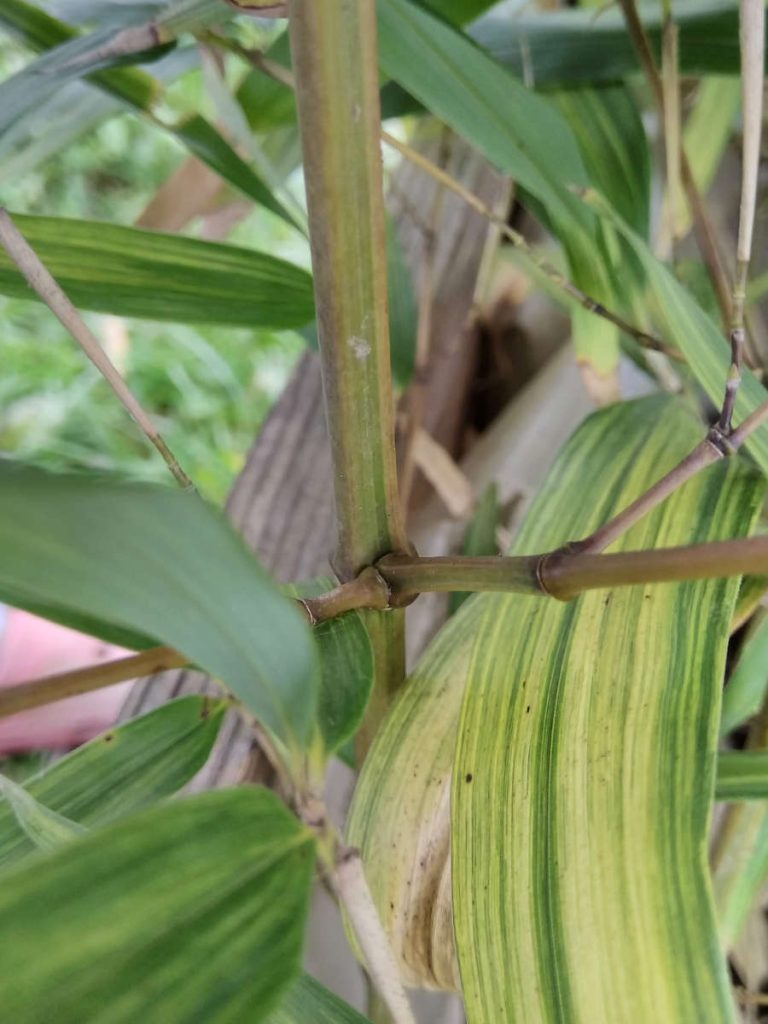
(42, 281)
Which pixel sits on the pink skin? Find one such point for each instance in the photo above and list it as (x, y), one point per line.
(30, 648)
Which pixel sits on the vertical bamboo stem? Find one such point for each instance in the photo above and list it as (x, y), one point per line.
(337, 88)
(702, 226)
(673, 144)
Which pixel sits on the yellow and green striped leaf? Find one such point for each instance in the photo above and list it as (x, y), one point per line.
(585, 763)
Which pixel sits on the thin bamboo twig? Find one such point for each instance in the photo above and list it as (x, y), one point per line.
(354, 895)
(672, 120)
(560, 281)
(752, 38)
(49, 689)
(703, 229)
(565, 577)
(262, 63)
(708, 451)
(398, 579)
(42, 281)
(716, 445)
(748, 426)
(747, 998)
(256, 58)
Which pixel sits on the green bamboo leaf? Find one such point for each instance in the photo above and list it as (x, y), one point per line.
(164, 563)
(614, 147)
(309, 1001)
(742, 775)
(93, 625)
(267, 103)
(41, 31)
(740, 877)
(739, 863)
(581, 724)
(147, 274)
(460, 84)
(611, 136)
(753, 590)
(459, 12)
(346, 668)
(121, 771)
(519, 132)
(568, 47)
(69, 56)
(403, 311)
(685, 325)
(191, 911)
(708, 130)
(74, 111)
(45, 829)
(208, 145)
(70, 60)
(745, 692)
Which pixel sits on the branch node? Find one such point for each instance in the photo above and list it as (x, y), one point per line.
(720, 439)
(546, 571)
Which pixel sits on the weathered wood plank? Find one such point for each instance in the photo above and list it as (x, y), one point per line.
(282, 503)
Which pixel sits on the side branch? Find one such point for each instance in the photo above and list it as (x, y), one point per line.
(752, 36)
(49, 689)
(42, 281)
(559, 280)
(705, 235)
(398, 579)
(563, 575)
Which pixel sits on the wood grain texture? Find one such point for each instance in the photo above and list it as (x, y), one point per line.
(282, 504)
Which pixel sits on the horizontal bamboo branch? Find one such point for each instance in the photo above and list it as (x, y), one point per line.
(396, 580)
(564, 575)
(368, 590)
(49, 689)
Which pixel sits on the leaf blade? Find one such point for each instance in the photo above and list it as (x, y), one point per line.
(742, 775)
(163, 563)
(346, 668)
(308, 1000)
(45, 828)
(123, 770)
(574, 47)
(586, 720)
(146, 274)
(176, 910)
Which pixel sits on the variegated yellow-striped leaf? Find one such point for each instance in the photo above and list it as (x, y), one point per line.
(584, 771)
(400, 814)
